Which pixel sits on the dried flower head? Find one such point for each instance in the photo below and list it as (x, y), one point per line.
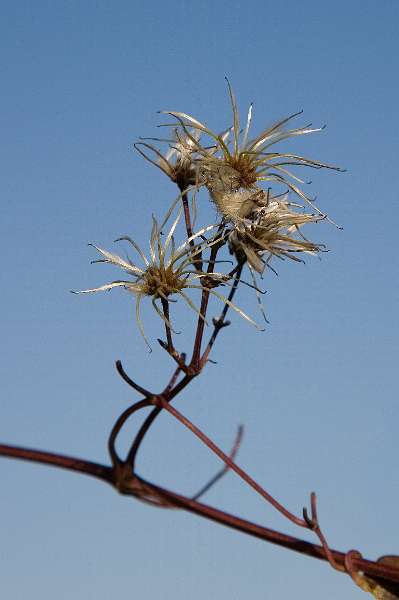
(178, 162)
(168, 271)
(232, 174)
(273, 230)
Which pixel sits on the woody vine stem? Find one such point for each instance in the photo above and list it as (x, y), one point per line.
(255, 226)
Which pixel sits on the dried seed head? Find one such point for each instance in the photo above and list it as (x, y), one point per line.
(178, 162)
(274, 231)
(238, 205)
(161, 282)
(168, 270)
(224, 176)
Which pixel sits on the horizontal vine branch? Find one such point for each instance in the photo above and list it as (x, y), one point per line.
(107, 474)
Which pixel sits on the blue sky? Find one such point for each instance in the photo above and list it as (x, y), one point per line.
(317, 392)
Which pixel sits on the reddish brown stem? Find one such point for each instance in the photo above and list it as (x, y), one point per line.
(174, 377)
(314, 525)
(200, 331)
(165, 308)
(247, 478)
(187, 215)
(118, 426)
(195, 360)
(58, 460)
(221, 322)
(138, 440)
(106, 474)
(130, 381)
(169, 395)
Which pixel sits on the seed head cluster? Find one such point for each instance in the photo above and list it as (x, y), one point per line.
(256, 223)
(235, 164)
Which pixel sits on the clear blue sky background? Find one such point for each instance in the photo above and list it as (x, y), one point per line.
(317, 391)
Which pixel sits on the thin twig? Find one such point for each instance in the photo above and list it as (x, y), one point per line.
(195, 360)
(223, 470)
(118, 426)
(180, 359)
(174, 377)
(187, 216)
(138, 440)
(314, 525)
(165, 308)
(221, 322)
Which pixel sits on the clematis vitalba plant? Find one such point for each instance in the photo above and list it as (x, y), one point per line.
(262, 217)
